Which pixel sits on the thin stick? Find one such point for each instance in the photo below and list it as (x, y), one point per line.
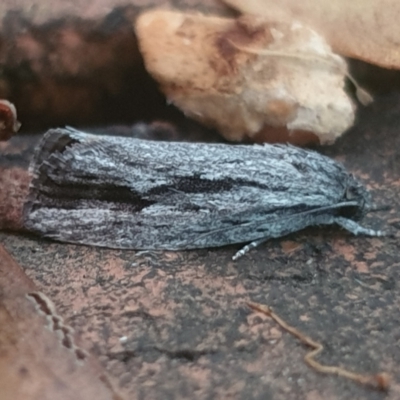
(379, 381)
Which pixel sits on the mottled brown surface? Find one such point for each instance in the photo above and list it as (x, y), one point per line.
(14, 184)
(174, 325)
(39, 356)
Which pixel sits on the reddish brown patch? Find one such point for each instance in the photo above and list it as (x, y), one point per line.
(14, 184)
(283, 111)
(245, 31)
(280, 134)
(8, 120)
(289, 246)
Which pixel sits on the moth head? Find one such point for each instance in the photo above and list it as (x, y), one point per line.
(355, 192)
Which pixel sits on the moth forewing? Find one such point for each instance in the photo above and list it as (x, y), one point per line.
(128, 193)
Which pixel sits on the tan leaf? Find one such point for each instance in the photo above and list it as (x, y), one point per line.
(365, 29)
(248, 77)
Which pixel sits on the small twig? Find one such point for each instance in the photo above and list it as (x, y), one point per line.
(379, 381)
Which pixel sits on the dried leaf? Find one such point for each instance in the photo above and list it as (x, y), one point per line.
(8, 120)
(248, 77)
(364, 29)
(39, 354)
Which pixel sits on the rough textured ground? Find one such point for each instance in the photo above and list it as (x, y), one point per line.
(175, 325)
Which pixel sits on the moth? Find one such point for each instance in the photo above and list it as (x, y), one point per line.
(129, 193)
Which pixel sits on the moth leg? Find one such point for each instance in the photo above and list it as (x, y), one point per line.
(348, 224)
(355, 228)
(248, 247)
